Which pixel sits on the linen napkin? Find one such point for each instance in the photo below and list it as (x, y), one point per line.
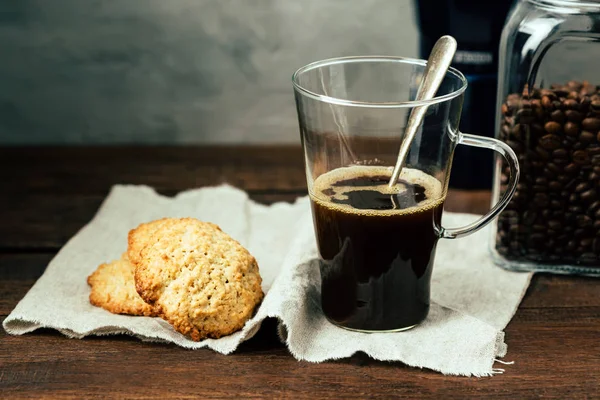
(472, 300)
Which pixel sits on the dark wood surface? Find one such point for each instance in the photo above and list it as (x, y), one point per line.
(47, 194)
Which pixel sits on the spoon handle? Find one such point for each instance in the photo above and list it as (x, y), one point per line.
(438, 63)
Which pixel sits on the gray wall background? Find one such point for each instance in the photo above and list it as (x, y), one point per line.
(178, 71)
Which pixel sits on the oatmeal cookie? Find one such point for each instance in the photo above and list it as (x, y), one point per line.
(139, 236)
(113, 289)
(203, 282)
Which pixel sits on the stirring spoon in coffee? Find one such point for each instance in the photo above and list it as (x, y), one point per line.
(435, 70)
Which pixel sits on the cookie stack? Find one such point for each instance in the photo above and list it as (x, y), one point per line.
(188, 272)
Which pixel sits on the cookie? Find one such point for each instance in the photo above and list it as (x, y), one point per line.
(202, 281)
(113, 289)
(139, 236)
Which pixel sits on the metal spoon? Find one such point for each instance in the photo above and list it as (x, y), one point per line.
(435, 70)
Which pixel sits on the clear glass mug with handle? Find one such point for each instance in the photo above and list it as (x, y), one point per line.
(377, 244)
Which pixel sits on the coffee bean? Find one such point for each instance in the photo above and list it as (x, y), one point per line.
(539, 228)
(583, 221)
(537, 238)
(563, 179)
(541, 153)
(573, 198)
(589, 90)
(571, 129)
(571, 103)
(556, 116)
(556, 210)
(581, 157)
(589, 258)
(540, 180)
(559, 251)
(538, 110)
(536, 129)
(587, 137)
(593, 150)
(524, 116)
(570, 139)
(561, 162)
(582, 187)
(554, 186)
(516, 146)
(519, 131)
(560, 153)
(579, 233)
(547, 101)
(547, 92)
(574, 116)
(591, 124)
(561, 91)
(570, 185)
(554, 224)
(595, 206)
(572, 168)
(553, 127)
(589, 195)
(553, 168)
(596, 246)
(550, 141)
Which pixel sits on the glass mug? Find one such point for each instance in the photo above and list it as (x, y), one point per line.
(377, 244)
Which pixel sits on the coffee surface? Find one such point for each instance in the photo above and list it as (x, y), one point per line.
(377, 245)
(366, 188)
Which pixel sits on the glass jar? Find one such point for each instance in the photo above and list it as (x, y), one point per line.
(548, 111)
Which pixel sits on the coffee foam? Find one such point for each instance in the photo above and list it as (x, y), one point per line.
(433, 188)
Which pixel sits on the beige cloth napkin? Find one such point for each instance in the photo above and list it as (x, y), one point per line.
(472, 300)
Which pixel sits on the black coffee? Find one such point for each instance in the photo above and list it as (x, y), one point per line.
(377, 246)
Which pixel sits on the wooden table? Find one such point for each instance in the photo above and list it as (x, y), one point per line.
(47, 194)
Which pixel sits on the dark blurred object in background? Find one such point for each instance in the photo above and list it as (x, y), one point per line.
(477, 26)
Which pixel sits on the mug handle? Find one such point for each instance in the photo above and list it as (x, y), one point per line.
(511, 158)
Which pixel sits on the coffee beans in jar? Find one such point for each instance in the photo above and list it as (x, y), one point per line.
(554, 216)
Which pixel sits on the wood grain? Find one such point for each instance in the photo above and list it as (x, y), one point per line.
(93, 170)
(50, 193)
